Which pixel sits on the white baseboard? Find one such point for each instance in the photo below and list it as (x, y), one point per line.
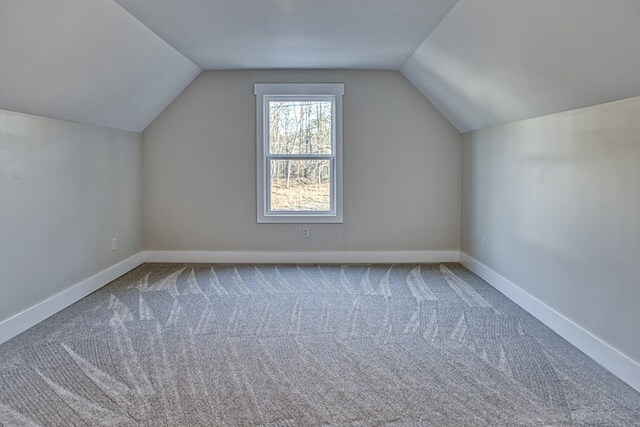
(612, 359)
(302, 257)
(30, 317)
(33, 315)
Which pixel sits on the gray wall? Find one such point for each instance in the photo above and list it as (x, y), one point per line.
(557, 199)
(66, 190)
(401, 169)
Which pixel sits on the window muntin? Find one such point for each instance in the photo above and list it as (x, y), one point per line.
(299, 152)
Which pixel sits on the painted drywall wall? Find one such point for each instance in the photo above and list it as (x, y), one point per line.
(402, 174)
(66, 190)
(557, 199)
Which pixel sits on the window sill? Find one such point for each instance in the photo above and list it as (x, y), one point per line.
(300, 219)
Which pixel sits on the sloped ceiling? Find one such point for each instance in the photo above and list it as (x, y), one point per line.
(491, 62)
(238, 34)
(88, 61)
(119, 63)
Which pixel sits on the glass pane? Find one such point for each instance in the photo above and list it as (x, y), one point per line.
(300, 185)
(300, 127)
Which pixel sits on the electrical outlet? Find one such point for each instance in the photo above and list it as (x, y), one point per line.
(114, 244)
(305, 232)
(483, 243)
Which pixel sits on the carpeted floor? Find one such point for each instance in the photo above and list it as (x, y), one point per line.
(397, 345)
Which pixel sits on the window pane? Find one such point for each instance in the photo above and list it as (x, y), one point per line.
(300, 185)
(300, 127)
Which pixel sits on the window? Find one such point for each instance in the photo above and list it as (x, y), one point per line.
(299, 152)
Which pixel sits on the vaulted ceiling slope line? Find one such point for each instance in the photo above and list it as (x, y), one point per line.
(285, 34)
(119, 63)
(87, 61)
(491, 62)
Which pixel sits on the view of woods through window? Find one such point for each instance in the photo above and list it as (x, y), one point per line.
(300, 151)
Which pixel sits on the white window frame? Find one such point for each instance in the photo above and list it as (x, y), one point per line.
(266, 92)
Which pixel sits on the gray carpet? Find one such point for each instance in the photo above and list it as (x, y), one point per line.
(396, 345)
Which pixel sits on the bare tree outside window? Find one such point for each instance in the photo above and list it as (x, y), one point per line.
(299, 153)
(300, 128)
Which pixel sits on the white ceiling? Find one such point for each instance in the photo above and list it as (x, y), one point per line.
(119, 63)
(491, 62)
(236, 34)
(87, 61)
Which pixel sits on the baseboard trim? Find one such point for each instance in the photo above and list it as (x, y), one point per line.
(618, 363)
(35, 314)
(302, 257)
(612, 359)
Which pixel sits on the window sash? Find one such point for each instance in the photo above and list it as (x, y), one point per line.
(332, 191)
(268, 157)
(296, 98)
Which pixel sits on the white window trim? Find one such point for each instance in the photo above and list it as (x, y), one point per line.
(266, 91)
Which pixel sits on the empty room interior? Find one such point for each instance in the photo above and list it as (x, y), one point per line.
(306, 213)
